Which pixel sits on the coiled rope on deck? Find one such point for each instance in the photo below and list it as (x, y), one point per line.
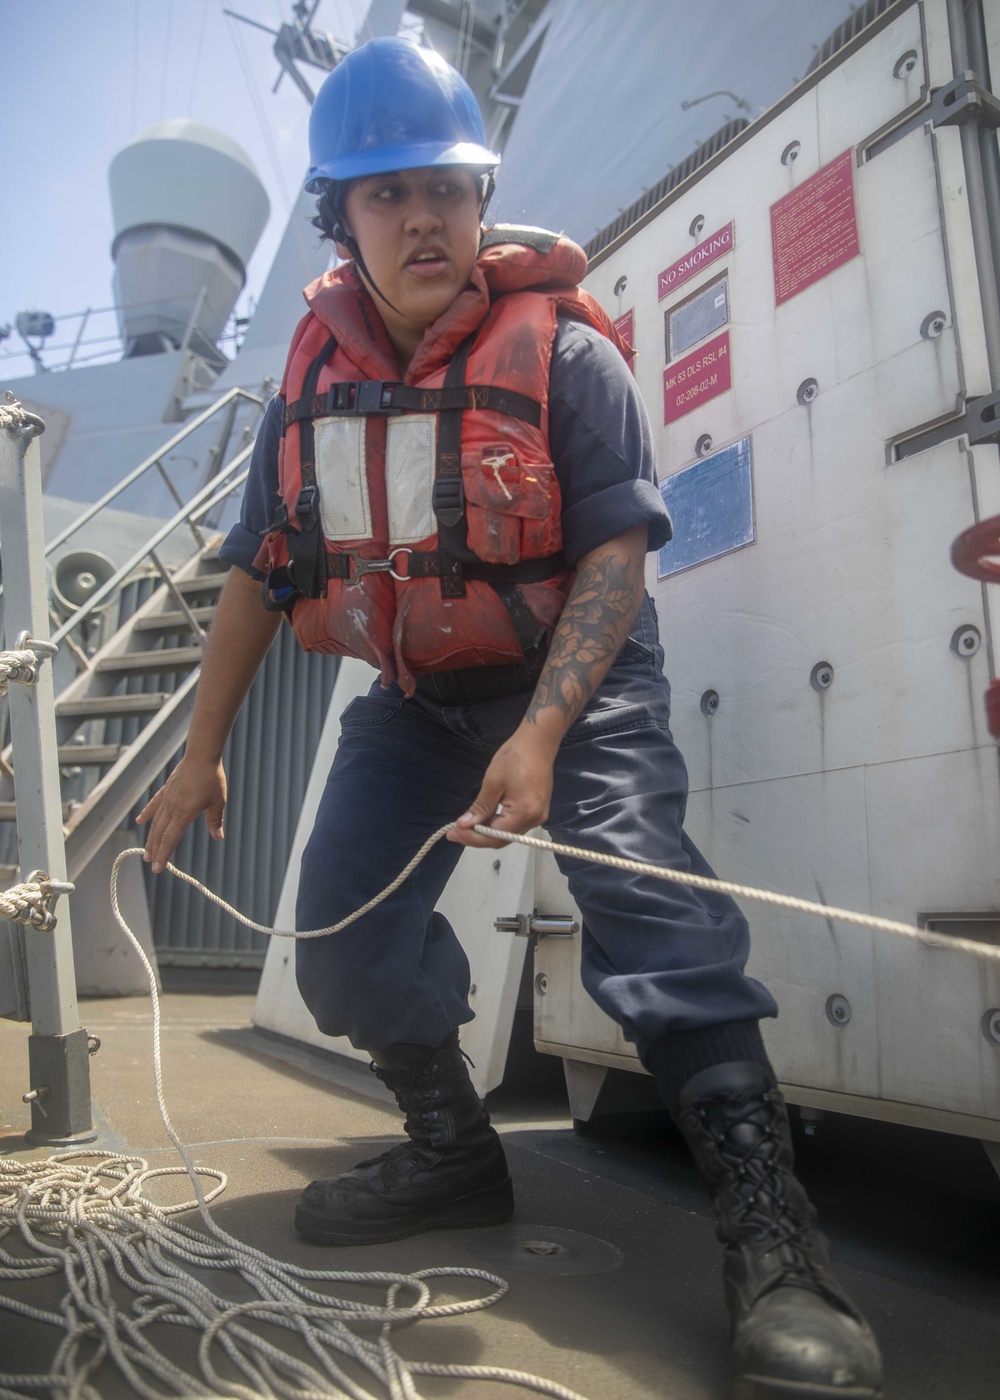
(86, 1215)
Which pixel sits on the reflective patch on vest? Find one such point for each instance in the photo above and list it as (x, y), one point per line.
(410, 455)
(343, 482)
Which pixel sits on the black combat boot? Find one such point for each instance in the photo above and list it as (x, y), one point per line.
(450, 1173)
(795, 1332)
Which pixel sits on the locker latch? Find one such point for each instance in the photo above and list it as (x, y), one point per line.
(538, 925)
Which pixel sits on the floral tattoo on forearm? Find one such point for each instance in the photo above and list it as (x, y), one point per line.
(600, 610)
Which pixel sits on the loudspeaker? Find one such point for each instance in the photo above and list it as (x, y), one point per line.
(77, 578)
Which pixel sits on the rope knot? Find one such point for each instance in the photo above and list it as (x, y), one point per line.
(29, 902)
(15, 418)
(21, 664)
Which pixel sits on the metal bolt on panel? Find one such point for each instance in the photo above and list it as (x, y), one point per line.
(838, 1010)
(966, 641)
(821, 676)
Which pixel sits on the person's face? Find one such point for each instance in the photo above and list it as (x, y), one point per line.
(418, 231)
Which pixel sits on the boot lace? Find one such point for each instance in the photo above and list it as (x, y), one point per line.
(762, 1216)
(416, 1098)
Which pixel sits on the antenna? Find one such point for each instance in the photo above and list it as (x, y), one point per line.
(298, 42)
(742, 105)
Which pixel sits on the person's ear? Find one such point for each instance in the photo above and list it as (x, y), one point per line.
(341, 237)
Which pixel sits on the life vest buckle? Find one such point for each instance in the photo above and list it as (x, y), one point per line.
(305, 507)
(380, 566)
(374, 396)
(448, 500)
(359, 397)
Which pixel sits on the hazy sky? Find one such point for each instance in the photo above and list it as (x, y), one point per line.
(81, 78)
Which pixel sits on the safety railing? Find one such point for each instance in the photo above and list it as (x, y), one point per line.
(223, 484)
(188, 514)
(154, 460)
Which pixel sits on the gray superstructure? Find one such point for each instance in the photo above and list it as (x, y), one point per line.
(593, 105)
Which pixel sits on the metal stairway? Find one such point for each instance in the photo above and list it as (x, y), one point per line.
(124, 715)
(139, 688)
(126, 712)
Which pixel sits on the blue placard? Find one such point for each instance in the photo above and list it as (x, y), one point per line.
(711, 505)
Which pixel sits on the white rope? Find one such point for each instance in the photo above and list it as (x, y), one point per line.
(86, 1214)
(829, 912)
(784, 901)
(16, 419)
(28, 902)
(21, 664)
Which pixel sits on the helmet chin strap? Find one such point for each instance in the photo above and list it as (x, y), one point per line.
(348, 240)
(351, 244)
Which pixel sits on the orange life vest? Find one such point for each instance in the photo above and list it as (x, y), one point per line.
(419, 523)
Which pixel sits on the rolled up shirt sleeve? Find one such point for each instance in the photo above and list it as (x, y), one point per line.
(602, 445)
(260, 495)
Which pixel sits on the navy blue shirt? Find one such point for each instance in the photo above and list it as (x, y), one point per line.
(599, 436)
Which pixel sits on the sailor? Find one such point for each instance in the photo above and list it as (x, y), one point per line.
(456, 484)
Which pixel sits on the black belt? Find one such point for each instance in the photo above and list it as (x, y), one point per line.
(474, 685)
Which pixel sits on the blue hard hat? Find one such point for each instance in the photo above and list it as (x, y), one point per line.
(390, 105)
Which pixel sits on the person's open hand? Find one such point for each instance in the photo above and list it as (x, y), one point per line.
(191, 789)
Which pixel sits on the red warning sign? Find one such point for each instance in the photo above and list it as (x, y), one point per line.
(702, 375)
(715, 246)
(625, 326)
(814, 230)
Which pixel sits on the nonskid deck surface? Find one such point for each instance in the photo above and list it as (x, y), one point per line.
(611, 1256)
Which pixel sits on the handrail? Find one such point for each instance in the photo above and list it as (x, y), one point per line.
(208, 493)
(150, 461)
(221, 494)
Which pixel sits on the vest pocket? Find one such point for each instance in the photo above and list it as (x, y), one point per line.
(512, 507)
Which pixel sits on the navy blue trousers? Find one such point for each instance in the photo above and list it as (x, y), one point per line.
(656, 957)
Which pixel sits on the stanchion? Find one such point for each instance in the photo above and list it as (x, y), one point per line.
(58, 1048)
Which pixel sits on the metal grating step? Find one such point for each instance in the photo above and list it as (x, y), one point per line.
(150, 662)
(172, 621)
(111, 706)
(89, 755)
(204, 583)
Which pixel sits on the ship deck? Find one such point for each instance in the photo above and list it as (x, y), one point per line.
(629, 1307)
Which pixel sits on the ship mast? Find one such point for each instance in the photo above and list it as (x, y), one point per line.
(299, 42)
